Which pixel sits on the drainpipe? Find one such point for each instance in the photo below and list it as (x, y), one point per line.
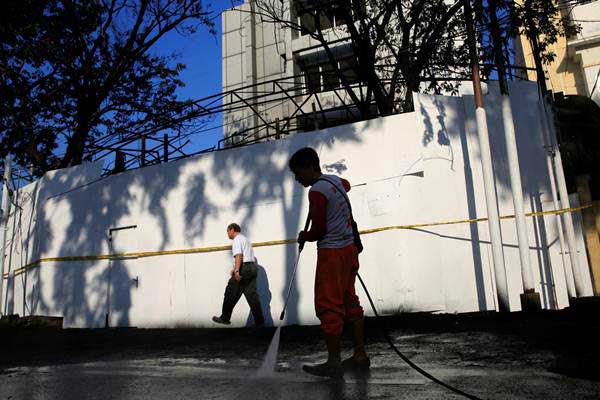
(109, 272)
(4, 224)
(530, 300)
(550, 153)
(488, 172)
(564, 202)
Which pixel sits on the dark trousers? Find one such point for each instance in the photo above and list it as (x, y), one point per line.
(246, 286)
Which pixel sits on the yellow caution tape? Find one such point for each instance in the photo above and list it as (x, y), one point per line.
(213, 249)
(464, 221)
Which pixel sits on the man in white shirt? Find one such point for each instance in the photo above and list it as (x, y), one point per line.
(243, 279)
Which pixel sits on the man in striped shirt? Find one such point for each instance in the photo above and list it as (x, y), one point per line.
(336, 302)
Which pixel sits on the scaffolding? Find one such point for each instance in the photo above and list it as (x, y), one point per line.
(307, 112)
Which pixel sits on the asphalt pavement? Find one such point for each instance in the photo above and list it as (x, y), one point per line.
(546, 355)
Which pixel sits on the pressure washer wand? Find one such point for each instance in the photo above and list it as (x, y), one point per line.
(300, 247)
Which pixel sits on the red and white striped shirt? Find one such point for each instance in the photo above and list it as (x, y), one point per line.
(331, 223)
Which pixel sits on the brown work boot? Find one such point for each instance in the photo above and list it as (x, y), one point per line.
(328, 369)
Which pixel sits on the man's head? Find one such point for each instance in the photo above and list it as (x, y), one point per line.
(232, 230)
(306, 166)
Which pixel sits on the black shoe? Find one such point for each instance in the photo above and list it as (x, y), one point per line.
(220, 320)
(352, 364)
(330, 370)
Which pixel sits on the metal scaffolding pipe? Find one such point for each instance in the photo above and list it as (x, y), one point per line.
(4, 224)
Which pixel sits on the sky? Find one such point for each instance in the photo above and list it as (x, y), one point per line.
(201, 53)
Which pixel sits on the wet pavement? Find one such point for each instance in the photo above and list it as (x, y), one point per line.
(550, 355)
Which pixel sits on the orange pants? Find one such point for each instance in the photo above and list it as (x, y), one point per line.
(335, 297)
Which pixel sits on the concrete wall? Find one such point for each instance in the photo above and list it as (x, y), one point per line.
(188, 204)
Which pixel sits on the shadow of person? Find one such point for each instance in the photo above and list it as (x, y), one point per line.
(264, 293)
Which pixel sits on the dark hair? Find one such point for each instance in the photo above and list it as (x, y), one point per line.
(234, 226)
(304, 158)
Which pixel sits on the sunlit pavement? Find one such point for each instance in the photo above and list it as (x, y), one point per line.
(545, 356)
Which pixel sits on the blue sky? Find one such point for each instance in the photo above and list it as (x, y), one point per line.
(201, 53)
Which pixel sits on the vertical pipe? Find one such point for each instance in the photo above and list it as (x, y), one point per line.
(143, 152)
(108, 279)
(564, 202)
(4, 223)
(512, 154)
(567, 269)
(119, 161)
(488, 172)
(517, 194)
(166, 148)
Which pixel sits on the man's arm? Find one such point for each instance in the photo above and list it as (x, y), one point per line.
(238, 259)
(318, 214)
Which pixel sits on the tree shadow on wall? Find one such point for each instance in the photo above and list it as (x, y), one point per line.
(268, 183)
(76, 221)
(73, 218)
(451, 129)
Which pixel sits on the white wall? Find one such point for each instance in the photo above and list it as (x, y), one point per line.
(188, 204)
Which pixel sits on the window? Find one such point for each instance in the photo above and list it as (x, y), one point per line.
(324, 76)
(349, 68)
(307, 22)
(338, 16)
(325, 22)
(331, 80)
(313, 79)
(329, 17)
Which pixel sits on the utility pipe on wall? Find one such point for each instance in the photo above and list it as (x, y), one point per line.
(4, 224)
(488, 172)
(109, 274)
(564, 202)
(517, 193)
(550, 152)
(513, 161)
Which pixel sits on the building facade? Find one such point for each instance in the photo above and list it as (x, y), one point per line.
(576, 67)
(278, 78)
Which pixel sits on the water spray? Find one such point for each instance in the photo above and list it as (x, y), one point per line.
(267, 368)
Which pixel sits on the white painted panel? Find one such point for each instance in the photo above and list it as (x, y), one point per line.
(406, 169)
